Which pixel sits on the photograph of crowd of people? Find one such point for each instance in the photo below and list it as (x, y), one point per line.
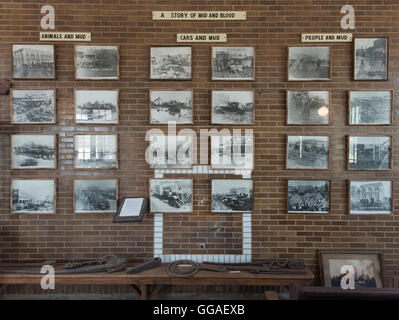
(308, 196)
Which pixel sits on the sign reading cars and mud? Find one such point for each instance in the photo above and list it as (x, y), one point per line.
(201, 37)
(65, 36)
(199, 15)
(327, 37)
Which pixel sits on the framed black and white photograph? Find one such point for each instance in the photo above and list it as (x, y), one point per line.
(171, 152)
(171, 105)
(131, 209)
(33, 61)
(33, 195)
(96, 62)
(230, 195)
(309, 63)
(232, 152)
(233, 63)
(308, 107)
(370, 197)
(308, 196)
(32, 106)
(368, 266)
(94, 195)
(97, 106)
(308, 152)
(33, 151)
(170, 63)
(96, 151)
(171, 195)
(370, 107)
(233, 107)
(369, 153)
(371, 58)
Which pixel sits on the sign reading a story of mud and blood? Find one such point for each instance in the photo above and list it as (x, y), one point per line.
(65, 36)
(327, 37)
(201, 37)
(199, 15)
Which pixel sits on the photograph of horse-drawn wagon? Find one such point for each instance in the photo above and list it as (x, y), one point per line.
(233, 63)
(33, 151)
(171, 195)
(95, 195)
(309, 64)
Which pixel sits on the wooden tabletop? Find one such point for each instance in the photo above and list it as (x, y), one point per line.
(159, 276)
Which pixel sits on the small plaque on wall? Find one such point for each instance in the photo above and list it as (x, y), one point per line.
(327, 37)
(201, 37)
(65, 36)
(199, 15)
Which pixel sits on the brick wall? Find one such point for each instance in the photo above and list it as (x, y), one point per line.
(271, 26)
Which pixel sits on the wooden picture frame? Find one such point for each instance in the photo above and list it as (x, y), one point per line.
(325, 255)
(309, 79)
(370, 124)
(363, 135)
(232, 123)
(386, 62)
(171, 90)
(235, 168)
(12, 211)
(253, 78)
(120, 217)
(310, 168)
(152, 210)
(55, 143)
(233, 211)
(310, 123)
(370, 212)
(98, 134)
(12, 91)
(96, 122)
(95, 179)
(171, 79)
(32, 78)
(117, 77)
(310, 212)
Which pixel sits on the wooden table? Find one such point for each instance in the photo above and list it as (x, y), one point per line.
(147, 283)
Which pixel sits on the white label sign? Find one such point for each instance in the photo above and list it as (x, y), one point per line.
(199, 15)
(201, 37)
(65, 36)
(327, 37)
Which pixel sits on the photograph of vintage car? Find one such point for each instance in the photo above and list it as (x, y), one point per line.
(96, 106)
(33, 61)
(309, 63)
(370, 107)
(171, 105)
(32, 106)
(232, 107)
(96, 151)
(371, 58)
(96, 62)
(171, 195)
(33, 196)
(369, 153)
(233, 63)
(370, 197)
(308, 196)
(171, 151)
(33, 151)
(230, 195)
(308, 107)
(170, 63)
(307, 152)
(95, 195)
(232, 152)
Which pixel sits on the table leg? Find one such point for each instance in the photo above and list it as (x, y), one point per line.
(2, 290)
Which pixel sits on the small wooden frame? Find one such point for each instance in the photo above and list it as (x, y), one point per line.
(371, 136)
(137, 216)
(309, 79)
(100, 77)
(33, 179)
(170, 78)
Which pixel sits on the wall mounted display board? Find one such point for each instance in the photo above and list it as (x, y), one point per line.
(131, 209)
